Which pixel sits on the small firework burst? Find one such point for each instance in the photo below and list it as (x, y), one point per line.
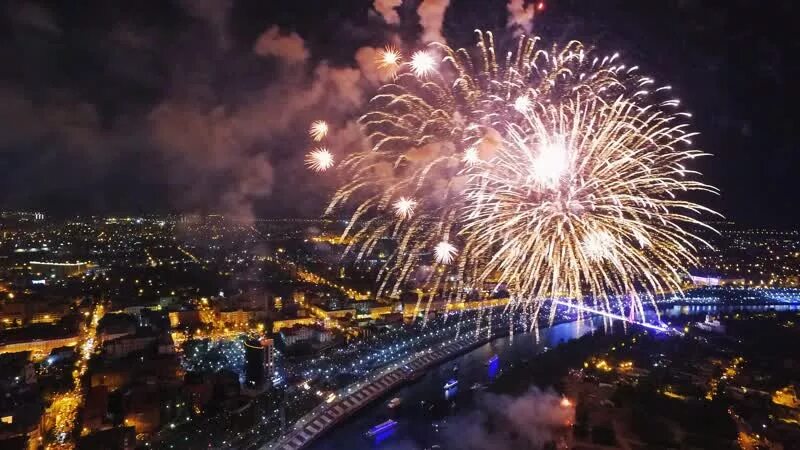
(404, 207)
(389, 59)
(423, 63)
(445, 252)
(318, 130)
(319, 160)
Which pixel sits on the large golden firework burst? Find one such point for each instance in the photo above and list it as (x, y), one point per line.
(582, 202)
(552, 169)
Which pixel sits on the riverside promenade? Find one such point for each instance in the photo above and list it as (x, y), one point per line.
(351, 399)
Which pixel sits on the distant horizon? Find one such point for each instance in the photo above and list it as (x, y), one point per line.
(343, 217)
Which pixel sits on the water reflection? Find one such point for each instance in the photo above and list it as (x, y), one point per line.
(382, 436)
(449, 394)
(493, 367)
(683, 310)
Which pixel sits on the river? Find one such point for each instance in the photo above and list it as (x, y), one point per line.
(425, 406)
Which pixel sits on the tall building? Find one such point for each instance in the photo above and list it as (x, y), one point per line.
(258, 362)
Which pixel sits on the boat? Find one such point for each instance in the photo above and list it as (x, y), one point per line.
(451, 384)
(394, 403)
(494, 359)
(476, 386)
(381, 428)
(455, 367)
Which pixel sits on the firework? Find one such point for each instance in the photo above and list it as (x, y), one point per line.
(405, 207)
(319, 160)
(598, 245)
(548, 164)
(318, 130)
(471, 156)
(445, 252)
(389, 59)
(522, 103)
(553, 170)
(580, 202)
(423, 63)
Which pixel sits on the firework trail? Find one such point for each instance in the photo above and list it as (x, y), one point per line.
(552, 169)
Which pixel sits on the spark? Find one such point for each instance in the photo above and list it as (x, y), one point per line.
(471, 156)
(422, 63)
(549, 164)
(445, 252)
(404, 207)
(389, 59)
(318, 130)
(598, 245)
(319, 160)
(522, 103)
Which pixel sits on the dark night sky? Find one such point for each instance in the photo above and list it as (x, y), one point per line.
(156, 105)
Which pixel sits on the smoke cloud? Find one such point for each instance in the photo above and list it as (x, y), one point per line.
(503, 422)
(387, 9)
(521, 16)
(366, 58)
(289, 48)
(219, 139)
(431, 16)
(36, 17)
(221, 116)
(213, 12)
(489, 144)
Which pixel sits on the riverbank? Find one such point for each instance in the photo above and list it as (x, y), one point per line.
(355, 397)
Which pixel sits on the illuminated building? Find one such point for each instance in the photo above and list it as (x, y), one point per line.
(188, 318)
(28, 310)
(39, 344)
(715, 280)
(279, 325)
(116, 325)
(16, 369)
(305, 334)
(123, 346)
(58, 270)
(237, 316)
(412, 307)
(95, 407)
(20, 415)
